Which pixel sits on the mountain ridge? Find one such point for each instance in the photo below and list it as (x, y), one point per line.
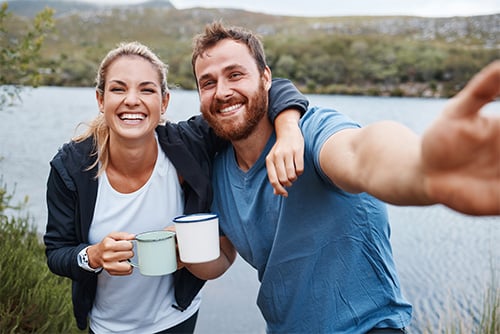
(29, 8)
(370, 55)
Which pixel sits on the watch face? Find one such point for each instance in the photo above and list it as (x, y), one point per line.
(83, 258)
(83, 262)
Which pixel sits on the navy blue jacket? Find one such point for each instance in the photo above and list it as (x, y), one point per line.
(72, 192)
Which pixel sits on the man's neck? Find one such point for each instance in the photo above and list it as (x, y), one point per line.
(247, 151)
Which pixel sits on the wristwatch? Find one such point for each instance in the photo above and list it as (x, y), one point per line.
(83, 261)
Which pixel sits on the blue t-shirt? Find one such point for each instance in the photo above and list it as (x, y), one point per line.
(323, 255)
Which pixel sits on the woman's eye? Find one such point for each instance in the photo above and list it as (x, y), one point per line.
(116, 89)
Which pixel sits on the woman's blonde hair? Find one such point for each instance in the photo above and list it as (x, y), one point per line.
(97, 128)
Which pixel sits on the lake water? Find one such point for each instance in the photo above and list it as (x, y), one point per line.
(446, 261)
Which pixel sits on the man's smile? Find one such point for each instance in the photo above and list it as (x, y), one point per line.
(230, 108)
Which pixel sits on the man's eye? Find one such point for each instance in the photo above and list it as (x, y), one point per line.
(207, 84)
(235, 75)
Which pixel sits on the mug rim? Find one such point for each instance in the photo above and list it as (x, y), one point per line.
(206, 216)
(168, 235)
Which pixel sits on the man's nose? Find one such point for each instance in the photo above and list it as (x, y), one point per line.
(224, 90)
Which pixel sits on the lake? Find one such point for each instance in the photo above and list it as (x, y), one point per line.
(446, 260)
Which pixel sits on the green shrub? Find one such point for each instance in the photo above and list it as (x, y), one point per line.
(32, 299)
(490, 322)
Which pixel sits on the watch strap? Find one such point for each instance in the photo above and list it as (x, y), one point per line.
(83, 261)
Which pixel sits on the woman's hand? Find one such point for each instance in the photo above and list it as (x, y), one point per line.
(112, 253)
(285, 161)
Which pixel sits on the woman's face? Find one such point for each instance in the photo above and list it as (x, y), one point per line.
(132, 103)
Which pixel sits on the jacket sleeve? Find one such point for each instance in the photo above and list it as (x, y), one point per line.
(284, 95)
(62, 243)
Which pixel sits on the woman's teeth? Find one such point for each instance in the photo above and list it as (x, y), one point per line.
(132, 116)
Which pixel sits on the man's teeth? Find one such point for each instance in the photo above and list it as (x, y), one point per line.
(132, 116)
(230, 108)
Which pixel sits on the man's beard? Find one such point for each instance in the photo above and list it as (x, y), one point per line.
(256, 108)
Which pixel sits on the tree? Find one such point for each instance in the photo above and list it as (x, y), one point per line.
(32, 299)
(19, 56)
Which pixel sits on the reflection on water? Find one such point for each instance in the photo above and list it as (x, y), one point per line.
(446, 260)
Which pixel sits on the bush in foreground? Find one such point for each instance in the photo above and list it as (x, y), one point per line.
(32, 299)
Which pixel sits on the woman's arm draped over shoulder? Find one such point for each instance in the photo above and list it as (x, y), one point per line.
(283, 95)
(285, 160)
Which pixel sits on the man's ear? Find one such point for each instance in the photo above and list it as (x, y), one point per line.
(267, 77)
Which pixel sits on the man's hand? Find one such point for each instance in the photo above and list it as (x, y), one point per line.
(461, 150)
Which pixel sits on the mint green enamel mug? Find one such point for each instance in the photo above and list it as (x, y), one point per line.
(155, 253)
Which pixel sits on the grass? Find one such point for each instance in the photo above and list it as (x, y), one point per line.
(490, 321)
(32, 299)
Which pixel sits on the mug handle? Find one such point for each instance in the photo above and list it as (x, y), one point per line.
(132, 263)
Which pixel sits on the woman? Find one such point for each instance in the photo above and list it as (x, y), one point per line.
(127, 174)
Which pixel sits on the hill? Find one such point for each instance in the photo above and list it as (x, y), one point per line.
(29, 8)
(395, 55)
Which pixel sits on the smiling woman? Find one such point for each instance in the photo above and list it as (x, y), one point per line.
(132, 106)
(121, 186)
(131, 80)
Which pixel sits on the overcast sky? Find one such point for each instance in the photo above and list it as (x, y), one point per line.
(432, 8)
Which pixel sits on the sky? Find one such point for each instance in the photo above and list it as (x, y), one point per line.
(428, 8)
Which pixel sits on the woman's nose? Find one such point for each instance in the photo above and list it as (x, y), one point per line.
(132, 98)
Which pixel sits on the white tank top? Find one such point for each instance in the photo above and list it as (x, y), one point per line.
(137, 303)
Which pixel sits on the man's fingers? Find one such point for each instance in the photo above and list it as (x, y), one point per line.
(483, 88)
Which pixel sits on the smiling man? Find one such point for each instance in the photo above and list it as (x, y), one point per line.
(322, 253)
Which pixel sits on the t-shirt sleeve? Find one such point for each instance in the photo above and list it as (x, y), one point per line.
(318, 124)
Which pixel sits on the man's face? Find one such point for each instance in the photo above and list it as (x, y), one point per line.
(233, 93)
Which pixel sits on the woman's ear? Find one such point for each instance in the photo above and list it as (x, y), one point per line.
(164, 102)
(100, 101)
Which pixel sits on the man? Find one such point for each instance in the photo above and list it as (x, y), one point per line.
(322, 251)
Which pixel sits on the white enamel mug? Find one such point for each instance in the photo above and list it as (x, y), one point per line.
(197, 237)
